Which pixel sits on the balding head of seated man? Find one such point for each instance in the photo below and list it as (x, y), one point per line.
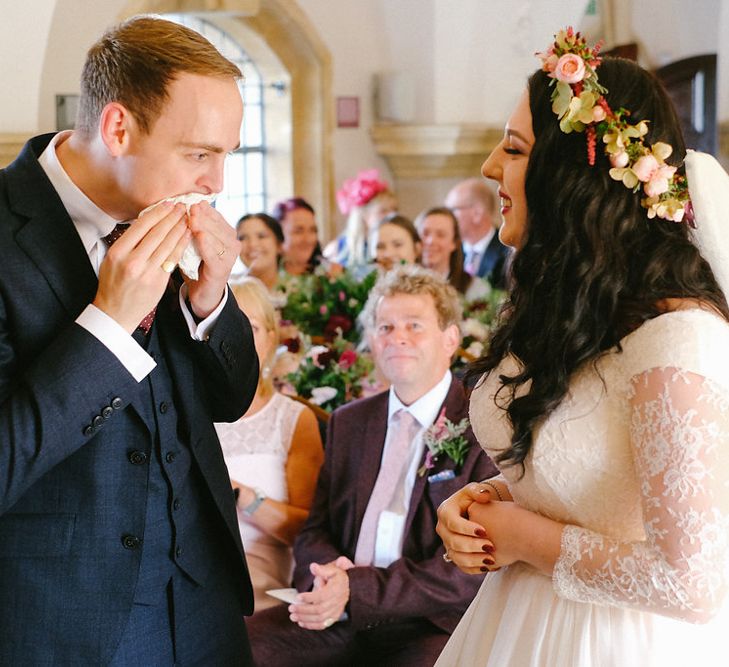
(374, 587)
(473, 202)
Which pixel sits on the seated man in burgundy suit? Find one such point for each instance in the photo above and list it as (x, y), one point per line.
(374, 587)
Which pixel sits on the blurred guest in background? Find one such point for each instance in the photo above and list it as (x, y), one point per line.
(366, 200)
(301, 252)
(261, 239)
(273, 454)
(442, 252)
(397, 242)
(473, 203)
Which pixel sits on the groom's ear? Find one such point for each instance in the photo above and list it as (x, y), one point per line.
(116, 127)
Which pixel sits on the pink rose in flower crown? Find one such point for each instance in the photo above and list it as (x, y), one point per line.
(644, 167)
(658, 183)
(619, 159)
(570, 68)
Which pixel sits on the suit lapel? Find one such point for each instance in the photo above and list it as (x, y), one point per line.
(370, 456)
(48, 236)
(453, 404)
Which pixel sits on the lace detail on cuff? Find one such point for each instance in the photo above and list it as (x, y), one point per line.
(680, 440)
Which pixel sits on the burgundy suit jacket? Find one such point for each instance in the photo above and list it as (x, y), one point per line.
(420, 583)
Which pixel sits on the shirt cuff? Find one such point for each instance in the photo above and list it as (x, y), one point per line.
(114, 337)
(200, 330)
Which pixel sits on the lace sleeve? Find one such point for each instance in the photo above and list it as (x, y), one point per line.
(679, 433)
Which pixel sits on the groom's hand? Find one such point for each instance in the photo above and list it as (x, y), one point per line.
(323, 606)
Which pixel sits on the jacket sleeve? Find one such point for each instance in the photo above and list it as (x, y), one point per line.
(53, 405)
(227, 364)
(48, 408)
(414, 588)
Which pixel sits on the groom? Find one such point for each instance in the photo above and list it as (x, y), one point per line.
(374, 583)
(119, 542)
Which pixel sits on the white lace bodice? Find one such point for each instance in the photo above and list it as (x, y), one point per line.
(256, 448)
(635, 461)
(268, 431)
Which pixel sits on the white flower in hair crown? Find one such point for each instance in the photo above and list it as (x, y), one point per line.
(579, 101)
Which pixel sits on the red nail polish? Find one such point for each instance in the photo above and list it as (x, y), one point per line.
(484, 569)
(487, 548)
(480, 532)
(488, 561)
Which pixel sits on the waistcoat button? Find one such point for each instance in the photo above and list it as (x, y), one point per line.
(130, 541)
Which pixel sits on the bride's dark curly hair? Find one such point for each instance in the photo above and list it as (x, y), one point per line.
(592, 266)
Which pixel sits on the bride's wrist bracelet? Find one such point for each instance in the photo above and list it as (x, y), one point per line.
(495, 488)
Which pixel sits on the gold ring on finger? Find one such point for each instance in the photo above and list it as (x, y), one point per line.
(168, 266)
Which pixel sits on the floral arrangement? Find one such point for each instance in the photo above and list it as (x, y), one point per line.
(479, 317)
(333, 374)
(444, 438)
(325, 306)
(579, 102)
(358, 191)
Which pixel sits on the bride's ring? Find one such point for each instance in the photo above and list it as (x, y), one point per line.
(447, 558)
(222, 252)
(168, 266)
(329, 622)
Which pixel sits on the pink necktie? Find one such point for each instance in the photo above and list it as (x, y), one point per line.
(393, 464)
(110, 239)
(472, 263)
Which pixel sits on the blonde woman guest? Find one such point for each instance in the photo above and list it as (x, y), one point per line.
(398, 242)
(261, 239)
(273, 454)
(365, 200)
(443, 252)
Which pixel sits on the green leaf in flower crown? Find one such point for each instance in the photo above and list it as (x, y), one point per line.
(561, 98)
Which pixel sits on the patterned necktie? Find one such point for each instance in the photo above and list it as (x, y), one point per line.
(110, 239)
(394, 462)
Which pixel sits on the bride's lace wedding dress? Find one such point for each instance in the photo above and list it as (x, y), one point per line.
(635, 461)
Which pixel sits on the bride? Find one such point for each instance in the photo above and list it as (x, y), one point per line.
(604, 397)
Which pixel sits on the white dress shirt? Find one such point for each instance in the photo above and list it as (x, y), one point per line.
(92, 224)
(391, 524)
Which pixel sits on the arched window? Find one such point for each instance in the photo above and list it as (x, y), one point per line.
(245, 170)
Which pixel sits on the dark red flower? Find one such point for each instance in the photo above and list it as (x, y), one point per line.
(323, 359)
(338, 322)
(292, 344)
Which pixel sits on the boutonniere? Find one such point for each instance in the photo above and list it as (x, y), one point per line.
(444, 438)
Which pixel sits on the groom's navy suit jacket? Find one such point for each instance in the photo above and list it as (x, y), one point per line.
(78, 434)
(420, 584)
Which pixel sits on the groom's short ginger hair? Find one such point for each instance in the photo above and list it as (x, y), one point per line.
(414, 279)
(133, 64)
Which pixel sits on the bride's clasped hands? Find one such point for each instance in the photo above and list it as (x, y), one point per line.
(482, 533)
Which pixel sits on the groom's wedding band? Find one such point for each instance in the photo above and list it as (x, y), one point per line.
(168, 266)
(447, 558)
(329, 622)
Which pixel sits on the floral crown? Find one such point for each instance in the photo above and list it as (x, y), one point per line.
(579, 101)
(360, 190)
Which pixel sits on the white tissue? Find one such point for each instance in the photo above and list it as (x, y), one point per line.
(190, 260)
